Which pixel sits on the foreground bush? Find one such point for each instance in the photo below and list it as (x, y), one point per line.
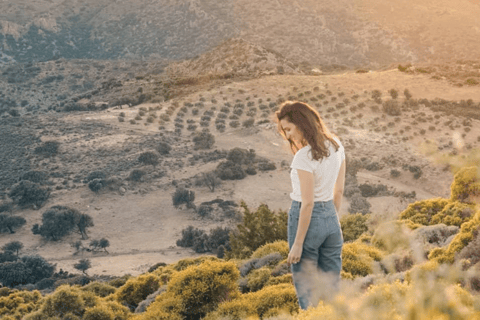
(270, 301)
(353, 226)
(137, 289)
(466, 183)
(195, 291)
(16, 304)
(72, 303)
(437, 210)
(257, 228)
(467, 233)
(358, 258)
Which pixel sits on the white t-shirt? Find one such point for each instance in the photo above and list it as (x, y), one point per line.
(325, 171)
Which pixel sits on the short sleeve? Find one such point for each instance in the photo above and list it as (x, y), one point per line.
(341, 149)
(342, 153)
(301, 161)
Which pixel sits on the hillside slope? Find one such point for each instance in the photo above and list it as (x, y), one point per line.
(347, 32)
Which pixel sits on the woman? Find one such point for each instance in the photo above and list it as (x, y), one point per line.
(318, 177)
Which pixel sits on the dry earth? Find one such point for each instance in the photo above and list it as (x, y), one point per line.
(143, 226)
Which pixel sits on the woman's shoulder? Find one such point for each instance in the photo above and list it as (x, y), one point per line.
(337, 139)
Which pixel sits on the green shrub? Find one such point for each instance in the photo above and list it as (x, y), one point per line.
(454, 214)
(203, 140)
(149, 158)
(196, 291)
(39, 177)
(136, 174)
(229, 170)
(280, 246)
(59, 221)
(26, 193)
(64, 300)
(73, 303)
(187, 262)
(120, 281)
(422, 212)
(48, 148)
(353, 226)
(257, 228)
(358, 257)
(99, 288)
(460, 241)
(394, 173)
(135, 290)
(258, 304)
(183, 195)
(258, 278)
(466, 183)
(17, 304)
(9, 223)
(359, 204)
(248, 123)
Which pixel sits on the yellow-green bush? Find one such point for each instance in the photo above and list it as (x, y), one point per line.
(164, 308)
(421, 212)
(279, 246)
(197, 290)
(286, 278)
(466, 182)
(18, 303)
(281, 297)
(5, 291)
(165, 273)
(185, 263)
(460, 241)
(68, 299)
(98, 313)
(258, 278)
(118, 282)
(135, 290)
(99, 288)
(454, 214)
(357, 258)
(73, 303)
(107, 311)
(353, 226)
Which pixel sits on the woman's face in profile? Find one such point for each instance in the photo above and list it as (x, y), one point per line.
(292, 132)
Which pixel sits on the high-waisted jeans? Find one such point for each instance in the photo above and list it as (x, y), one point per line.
(316, 276)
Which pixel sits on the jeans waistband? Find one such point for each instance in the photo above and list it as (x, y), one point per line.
(320, 204)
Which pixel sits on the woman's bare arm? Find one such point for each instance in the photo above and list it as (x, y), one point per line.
(338, 188)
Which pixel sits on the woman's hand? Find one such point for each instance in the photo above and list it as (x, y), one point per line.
(294, 254)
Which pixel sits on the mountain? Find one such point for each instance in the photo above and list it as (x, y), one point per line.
(348, 33)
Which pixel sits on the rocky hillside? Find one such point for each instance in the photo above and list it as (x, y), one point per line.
(85, 84)
(346, 33)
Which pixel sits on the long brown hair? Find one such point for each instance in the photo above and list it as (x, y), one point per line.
(310, 124)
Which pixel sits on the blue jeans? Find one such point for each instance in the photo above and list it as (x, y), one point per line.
(316, 276)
